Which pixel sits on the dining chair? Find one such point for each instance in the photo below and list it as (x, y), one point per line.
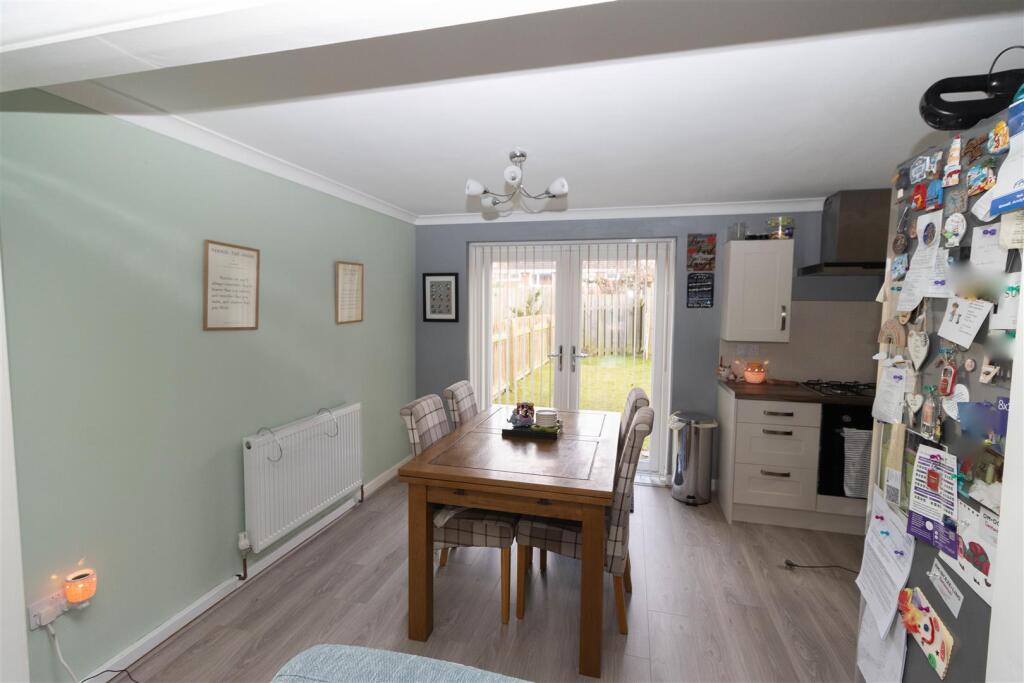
(461, 402)
(426, 423)
(565, 537)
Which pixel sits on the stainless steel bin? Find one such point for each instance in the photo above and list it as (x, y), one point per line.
(694, 449)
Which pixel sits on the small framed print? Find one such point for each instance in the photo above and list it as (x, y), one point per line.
(348, 292)
(231, 287)
(441, 297)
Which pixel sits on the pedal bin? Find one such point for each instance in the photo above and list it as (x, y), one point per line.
(693, 444)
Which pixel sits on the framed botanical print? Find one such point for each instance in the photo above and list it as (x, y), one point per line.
(441, 297)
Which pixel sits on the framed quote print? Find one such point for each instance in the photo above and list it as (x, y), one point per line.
(348, 292)
(441, 297)
(231, 287)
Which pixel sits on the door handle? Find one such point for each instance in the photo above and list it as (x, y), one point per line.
(783, 315)
(557, 355)
(769, 473)
(575, 356)
(776, 432)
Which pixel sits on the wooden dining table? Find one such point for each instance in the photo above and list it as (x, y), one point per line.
(571, 477)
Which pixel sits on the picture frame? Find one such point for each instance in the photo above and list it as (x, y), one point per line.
(441, 297)
(348, 292)
(231, 287)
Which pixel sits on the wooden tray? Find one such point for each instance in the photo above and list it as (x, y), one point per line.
(530, 433)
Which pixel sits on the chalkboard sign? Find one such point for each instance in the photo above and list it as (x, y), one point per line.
(700, 290)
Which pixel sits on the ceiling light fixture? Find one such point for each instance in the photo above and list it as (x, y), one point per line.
(513, 174)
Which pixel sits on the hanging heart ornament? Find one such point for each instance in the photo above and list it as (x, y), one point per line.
(917, 347)
(949, 403)
(914, 402)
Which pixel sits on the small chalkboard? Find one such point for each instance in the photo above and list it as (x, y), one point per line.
(700, 290)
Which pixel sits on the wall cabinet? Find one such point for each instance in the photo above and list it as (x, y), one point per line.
(758, 290)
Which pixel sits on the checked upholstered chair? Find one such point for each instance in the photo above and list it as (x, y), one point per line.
(426, 422)
(565, 537)
(461, 402)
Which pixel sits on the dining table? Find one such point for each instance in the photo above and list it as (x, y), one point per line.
(571, 477)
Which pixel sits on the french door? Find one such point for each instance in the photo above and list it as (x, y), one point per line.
(573, 325)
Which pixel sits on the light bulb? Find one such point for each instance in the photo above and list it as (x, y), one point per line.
(474, 188)
(559, 187)
(489, 202)
(513, 175)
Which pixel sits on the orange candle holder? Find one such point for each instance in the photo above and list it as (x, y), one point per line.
(79, 587)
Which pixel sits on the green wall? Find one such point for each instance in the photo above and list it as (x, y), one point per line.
(127, 416)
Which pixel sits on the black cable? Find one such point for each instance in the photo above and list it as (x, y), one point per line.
(790, 564)
(1004, 51)
(126, 672)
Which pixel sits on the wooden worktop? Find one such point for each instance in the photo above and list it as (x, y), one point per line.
(795, 393)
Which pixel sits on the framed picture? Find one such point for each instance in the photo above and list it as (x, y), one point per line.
(231, 287)
(441, 297)
(348, 292)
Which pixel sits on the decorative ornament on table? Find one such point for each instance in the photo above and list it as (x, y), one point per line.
(900, 265)
(999, 138)
(917, 347)
(954, 229)
(981, 177)
(951, 171)
(918, 199)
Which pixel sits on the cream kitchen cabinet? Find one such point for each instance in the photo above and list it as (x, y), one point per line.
(758, 290)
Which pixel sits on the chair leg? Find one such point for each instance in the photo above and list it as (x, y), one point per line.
(543, 560)
(627, 577)
(444, 557)
(620, 605)
(529, 557)
(521, 555)
(506, 576)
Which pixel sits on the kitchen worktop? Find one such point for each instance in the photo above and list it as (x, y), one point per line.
(790, 392)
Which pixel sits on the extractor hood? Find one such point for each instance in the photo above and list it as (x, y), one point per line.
(854, 227)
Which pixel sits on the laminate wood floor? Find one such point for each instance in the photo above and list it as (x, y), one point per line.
(710, 602)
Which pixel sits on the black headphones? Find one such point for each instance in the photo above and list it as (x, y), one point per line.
(1000, 87)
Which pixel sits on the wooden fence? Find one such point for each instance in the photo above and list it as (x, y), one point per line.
(615, 324)
(519, 345)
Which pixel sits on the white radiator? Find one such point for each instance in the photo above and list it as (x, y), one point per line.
(293, 473)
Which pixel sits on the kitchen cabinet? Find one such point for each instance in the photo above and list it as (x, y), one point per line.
(758, 290)
(768, 466)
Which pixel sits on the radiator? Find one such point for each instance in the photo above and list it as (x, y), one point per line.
(294, 472)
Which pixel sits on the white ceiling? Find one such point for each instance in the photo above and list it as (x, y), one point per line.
(637, 104)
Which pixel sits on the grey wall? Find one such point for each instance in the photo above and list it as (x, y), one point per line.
(442, 348)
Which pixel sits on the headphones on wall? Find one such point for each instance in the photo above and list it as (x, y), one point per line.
(999, 87)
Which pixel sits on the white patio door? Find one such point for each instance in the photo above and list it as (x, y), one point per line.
(573, 325)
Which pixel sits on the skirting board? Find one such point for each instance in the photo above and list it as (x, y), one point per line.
(799, 519)
(151, 640)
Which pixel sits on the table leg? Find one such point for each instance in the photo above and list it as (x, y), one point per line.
(591, 591)
(421, 564)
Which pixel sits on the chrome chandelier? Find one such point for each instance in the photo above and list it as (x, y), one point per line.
(559, 187)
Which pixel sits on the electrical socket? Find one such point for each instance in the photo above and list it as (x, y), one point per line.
(45, 610)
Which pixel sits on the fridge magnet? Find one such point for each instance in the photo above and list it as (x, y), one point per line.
(899, 267)
(901, 181)
(974, 148)
(946, 587)
(956, 200)
(1007, 306)
(933, 196)
(977, 531)
(950, 403)
(980, 177)
(999, 138)
(918, 197)
(951, 171)
(441, 297)
(914, 403)
(892, 332)
(919, 169)
(947, 379)
(953, 229)
(700, 252)
(904, 223)
(929, 233)
(904, 317)
(928, 631)
(900, 244)
(970, 364)
(917, 347)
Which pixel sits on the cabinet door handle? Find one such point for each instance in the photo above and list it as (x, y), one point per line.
(783, 316)
(769, 473)
(777, 432)
(776, 413)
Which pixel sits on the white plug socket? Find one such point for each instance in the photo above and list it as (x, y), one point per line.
(45, 610)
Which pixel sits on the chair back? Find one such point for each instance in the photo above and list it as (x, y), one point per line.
(461, 402)
(636, 399)
(425, 422)
(618, 518)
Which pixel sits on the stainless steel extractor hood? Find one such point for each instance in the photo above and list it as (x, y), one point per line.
(854, 227)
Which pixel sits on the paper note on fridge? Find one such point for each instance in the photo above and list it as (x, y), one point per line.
(881, 661)
(932, 513)
(986, 252)
(962, 320)
(889, 396)
(1007, 308)
(946, 587)
(1011, 230)
(977, 532)
(885, 566)
(1008, 192)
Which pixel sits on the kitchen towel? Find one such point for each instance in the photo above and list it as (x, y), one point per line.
(856, 461)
